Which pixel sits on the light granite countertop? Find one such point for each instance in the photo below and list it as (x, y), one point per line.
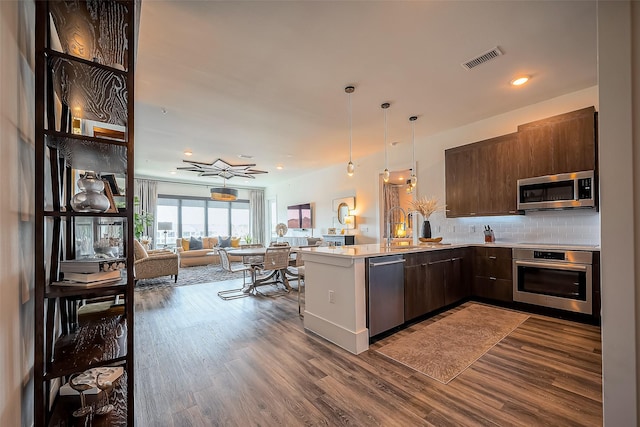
(375, 249)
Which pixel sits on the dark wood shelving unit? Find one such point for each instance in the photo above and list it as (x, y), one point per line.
(84, 78)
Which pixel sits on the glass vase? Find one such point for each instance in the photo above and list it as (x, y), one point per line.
(90, 197)
(426, 229)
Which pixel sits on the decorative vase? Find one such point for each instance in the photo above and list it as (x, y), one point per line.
(426, 229)
(90, 197)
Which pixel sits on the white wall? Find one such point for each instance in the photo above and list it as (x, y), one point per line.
(321, 187)
(620, 196)
(16, 216)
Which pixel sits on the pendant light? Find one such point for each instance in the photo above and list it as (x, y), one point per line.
(385, 174)
(350, 167)
(414, 179)
(224, 193)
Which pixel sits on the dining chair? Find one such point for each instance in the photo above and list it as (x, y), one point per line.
(227, 266)
(296, 271)
(253, 259)
(273, 270)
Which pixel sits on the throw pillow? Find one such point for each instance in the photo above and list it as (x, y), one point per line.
(185, 244)
(139, 251)
(235, 243)
(224, 243)
(195, 244)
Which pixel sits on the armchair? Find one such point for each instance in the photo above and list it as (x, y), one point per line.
(154, 263)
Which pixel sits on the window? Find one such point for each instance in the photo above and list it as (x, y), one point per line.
(193, 218)
(239, 219)
(198, 217)
(218, 214)
(167, 212)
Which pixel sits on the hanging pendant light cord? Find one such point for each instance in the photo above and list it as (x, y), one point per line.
(350, 128)
(413, 145)
(385, 138)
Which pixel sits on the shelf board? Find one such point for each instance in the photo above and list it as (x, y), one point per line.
(65, 405)
(116, 288)
(96, 343)
(86, 154)
(84, 138)
(70, 214)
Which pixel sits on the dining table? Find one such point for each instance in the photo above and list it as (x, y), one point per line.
(254, 256)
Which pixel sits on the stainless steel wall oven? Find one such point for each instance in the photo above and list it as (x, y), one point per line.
(555, 278)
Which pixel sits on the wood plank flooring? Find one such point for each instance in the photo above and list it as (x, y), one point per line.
(202, 361)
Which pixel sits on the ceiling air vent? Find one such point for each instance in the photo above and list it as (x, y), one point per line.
(487, 56)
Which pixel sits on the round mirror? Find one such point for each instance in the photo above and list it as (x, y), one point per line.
(343, 212)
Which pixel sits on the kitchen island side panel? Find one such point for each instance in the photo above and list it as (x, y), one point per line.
(343, 319)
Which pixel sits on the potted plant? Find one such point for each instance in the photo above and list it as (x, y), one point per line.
(425, 206)
(140, 220)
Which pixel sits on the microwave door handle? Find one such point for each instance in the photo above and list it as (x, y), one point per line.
(552, 266)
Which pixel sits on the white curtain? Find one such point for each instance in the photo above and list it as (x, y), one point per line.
(256, 207)
(391, 197)
(147, 192)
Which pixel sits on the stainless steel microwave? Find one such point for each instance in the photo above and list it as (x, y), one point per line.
(562, 191)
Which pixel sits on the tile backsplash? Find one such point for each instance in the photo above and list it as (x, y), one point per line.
(579, 226)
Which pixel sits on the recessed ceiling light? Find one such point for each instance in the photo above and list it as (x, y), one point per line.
(279, 167)
(520, 81)
(394, 143)
(245, 156)
(188, 153)
(173, 172)
(401, 179)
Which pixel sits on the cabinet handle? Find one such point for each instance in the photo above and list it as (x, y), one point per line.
(472, 213)
(439, 262)
(492, 257)
(456, 259)
(492, 278)
(423, 265)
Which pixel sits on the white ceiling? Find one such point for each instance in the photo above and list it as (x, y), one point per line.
(267, 78)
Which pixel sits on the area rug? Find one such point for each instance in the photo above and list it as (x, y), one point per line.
(444, 349)
(191, 276)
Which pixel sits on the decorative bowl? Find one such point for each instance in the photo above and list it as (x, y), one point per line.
(430, 240)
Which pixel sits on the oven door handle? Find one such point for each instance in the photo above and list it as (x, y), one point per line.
(552, 265)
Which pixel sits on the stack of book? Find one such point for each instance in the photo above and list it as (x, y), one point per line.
(91, 272)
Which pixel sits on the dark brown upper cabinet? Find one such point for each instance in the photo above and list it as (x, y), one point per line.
(481, 178)
(559, 144)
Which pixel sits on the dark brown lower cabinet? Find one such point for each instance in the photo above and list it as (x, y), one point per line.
(493, 274)
(457, 284)
(433, 280)
(493, 288)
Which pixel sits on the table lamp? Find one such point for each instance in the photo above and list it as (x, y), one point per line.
(165, 226)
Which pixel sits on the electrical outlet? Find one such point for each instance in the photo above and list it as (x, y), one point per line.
(364, 229)
(332, 297)
(472, 229)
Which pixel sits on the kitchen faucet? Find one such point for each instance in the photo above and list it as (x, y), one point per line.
(404, 219)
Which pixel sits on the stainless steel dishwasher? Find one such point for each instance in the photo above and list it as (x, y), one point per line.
(385, 290)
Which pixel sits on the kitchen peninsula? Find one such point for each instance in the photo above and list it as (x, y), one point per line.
(335, 291)
(336, 282)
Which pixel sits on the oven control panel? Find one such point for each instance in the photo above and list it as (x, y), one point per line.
(553, 255)
(559, 256)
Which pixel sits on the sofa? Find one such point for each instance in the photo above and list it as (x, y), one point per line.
(190, 257)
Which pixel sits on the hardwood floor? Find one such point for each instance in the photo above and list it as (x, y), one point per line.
(202, 361)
